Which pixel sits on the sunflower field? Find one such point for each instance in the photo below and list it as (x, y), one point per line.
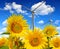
(23, 37)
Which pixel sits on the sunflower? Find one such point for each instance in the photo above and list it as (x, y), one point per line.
(50, 31)
(16, 25)
(55, 42)
(3, 41)
(35, 39)
(10, 43)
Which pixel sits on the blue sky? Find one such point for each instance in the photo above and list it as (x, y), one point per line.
(49, 10)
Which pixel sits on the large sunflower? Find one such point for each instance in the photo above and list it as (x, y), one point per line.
(55, 42)
(35, 40)
(16, 25)
(50, 30)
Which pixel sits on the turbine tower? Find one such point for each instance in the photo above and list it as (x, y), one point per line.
(32, 11)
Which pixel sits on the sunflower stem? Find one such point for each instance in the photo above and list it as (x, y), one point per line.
(48, 42)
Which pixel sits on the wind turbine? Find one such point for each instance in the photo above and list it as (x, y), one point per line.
(32, 11)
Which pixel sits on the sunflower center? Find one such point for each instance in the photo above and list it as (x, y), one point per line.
(34, 42)
(56, 44)
(16, 27)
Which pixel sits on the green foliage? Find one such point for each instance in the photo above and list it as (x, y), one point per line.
(6, 33)
(4, 47)
(48, 48)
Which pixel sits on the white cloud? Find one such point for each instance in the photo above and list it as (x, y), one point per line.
(4, 36)
(58, 28)
(2, 30)
(11, 11)
(13, 7)
(4, 22)
(41, 22)
(16, 6)
(7, 7)
(57, 21)
(43, 9)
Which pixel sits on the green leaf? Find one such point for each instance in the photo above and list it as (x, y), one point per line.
(22, 48)
(48, 48)
(4, 47)
(21, 44)
(7, 33)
